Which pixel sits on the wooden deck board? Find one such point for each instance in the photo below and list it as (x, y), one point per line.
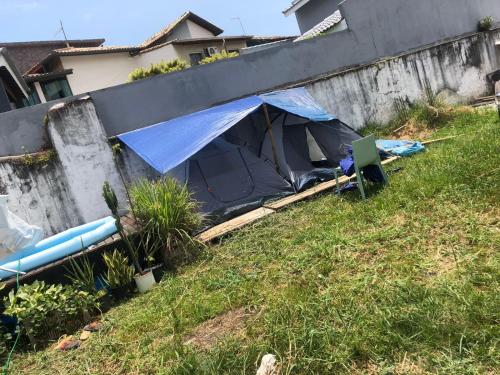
(236, 223)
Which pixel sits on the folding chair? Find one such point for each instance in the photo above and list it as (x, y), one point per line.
(365, 153)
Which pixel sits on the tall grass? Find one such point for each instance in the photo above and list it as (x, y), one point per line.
(167, 213)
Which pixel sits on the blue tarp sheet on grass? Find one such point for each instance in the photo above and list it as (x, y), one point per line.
(400, 147)
(166, 145)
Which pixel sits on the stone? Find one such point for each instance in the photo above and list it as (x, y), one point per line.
(93, 327)
(68, 343)
(85, 335)
(268, 365)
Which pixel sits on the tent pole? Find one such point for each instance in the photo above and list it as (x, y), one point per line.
(270, 129)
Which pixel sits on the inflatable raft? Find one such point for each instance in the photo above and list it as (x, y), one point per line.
(57, 247)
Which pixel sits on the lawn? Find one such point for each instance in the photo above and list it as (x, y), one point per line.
(406, 282)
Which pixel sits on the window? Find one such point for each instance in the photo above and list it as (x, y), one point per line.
(195, 58)
(32, 98)
(56, 89)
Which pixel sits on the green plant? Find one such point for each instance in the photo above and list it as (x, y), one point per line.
(167, 213)
(81, 274)
(224, 55)
(163, 67)
(486, 23)
(119, 272)
(39, 307)
(110, 197)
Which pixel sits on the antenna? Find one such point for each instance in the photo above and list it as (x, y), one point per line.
(64, 33)
(241, 24)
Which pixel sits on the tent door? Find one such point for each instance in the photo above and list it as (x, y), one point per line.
(227, 176)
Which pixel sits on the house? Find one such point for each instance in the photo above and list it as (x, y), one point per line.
(79, 69)
(16, 59)
(316, 17)
(13, 89)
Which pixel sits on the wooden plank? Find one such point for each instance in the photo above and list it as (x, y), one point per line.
(233, 224)
(439, 139)
(315, 190)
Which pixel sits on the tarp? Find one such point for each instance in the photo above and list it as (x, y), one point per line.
(400, 147)
(165, 145)
(299, 102)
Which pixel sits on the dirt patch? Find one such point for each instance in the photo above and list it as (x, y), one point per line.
(412, 130)
(231, 323)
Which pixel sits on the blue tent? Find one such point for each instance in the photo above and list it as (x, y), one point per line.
(167, 144)
(237, 155)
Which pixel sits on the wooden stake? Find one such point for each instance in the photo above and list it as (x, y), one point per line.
(273, 143)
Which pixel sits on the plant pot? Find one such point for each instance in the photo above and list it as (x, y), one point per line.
(158, 271)
(145, 282)
(121, 292)
(105, 302)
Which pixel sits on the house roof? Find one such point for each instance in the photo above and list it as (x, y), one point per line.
(13, 73)
(86, 42)
(71, 51)
(170, 28)
(296, 5)
(325, 25)
(76, 51)
(47, 76)
(26, 54)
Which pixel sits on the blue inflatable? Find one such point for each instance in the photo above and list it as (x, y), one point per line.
(57, 247)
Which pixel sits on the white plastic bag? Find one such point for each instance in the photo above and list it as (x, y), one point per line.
(15, 233)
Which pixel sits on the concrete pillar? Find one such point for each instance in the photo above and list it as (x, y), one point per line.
(4, 99)
(85, 155)
(39, 91)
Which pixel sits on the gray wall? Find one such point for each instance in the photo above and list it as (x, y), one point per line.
(456, 71)
(66, 191)
(314, 12)
(377, 28)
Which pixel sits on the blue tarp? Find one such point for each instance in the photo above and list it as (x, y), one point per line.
(400, 147)
(166, 145)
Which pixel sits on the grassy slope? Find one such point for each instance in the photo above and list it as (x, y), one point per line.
(406, 282)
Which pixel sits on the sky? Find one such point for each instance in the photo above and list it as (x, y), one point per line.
(129, 22)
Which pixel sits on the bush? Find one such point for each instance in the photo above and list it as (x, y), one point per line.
(163, 67)
(486, 23)
(167, 213)
(119, 272)
(42, 309)
(219, 56)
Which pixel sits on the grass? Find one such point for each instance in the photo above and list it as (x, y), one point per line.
(404, 283)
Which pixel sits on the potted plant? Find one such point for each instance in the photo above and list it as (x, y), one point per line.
(81, 275)
(119, 274)
(168, 215)
(144, 280)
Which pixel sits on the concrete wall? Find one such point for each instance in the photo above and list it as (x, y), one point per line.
(85, 156)
(166, 52)
(94, 72)
(196, 31)
(39, 194)
(377, 28)
(456, 70)
(314, 12)
(65, 191)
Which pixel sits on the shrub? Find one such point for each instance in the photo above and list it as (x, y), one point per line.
(42, 308)
(167, 213)
(163, 67)
(81, 274)
(119, 272)
(219, 56)
(486, 23)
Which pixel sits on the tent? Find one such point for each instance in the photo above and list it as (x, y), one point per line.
(237, 155)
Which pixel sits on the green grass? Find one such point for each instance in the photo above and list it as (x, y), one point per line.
(406, 282)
